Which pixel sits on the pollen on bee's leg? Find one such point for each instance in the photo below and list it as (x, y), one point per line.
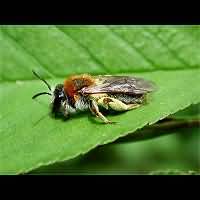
(132, 106)
(94, 108)
(104, 102)
(112, 103)
(107, 100)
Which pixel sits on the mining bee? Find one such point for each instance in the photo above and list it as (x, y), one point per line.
(86, 92)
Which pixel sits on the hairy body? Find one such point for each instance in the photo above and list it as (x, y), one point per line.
(86, 92)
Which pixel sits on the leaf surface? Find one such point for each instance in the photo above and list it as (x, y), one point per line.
(29, 137)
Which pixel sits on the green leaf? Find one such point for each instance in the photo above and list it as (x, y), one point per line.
(30, 138)
(176, 151)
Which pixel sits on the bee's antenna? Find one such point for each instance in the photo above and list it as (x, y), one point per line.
(41, 93)
(42, 80)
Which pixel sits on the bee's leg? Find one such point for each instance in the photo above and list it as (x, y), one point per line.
(115, 104)
(64, 110)
(65, 114)
(95, 110)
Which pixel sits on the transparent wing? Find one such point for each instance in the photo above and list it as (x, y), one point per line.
(119, 84)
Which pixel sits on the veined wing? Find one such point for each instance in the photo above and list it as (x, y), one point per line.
(119, 84)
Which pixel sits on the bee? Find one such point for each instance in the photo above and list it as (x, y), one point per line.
(86, 92)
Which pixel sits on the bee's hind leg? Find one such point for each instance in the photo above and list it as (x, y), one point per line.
(95, 110)
(115, 104)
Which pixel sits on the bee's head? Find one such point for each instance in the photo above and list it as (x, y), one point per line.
(58, 98)
(58, 95)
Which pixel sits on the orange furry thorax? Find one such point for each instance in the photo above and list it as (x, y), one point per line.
(74, 83)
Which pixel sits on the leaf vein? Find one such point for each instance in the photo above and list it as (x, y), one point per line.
(28, 53)
(174, 53)
(93, 57)
(151, 62)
